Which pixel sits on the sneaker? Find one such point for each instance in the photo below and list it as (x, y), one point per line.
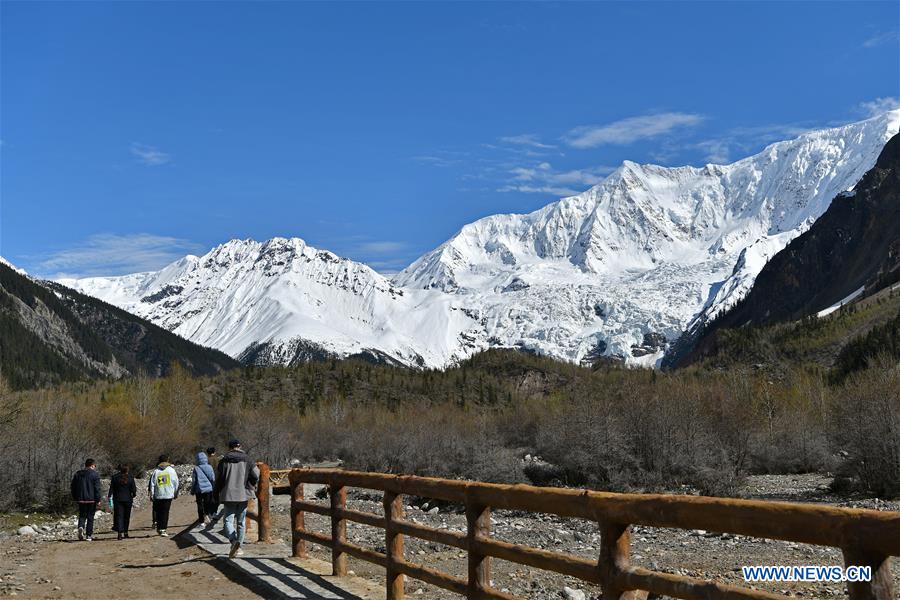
(235, 548)
(81, 533)
(163, 533)
(125, 536)
(120, 536)
(207, 520)
(239, 552)
(89, 539)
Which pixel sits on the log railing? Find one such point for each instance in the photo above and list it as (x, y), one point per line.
(278, 479)
(258, 508)
(866, 537)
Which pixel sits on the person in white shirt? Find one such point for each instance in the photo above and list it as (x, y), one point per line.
(163, 489)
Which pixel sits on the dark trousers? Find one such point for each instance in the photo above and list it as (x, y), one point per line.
(121, 516)
(86, 512)
(205, 505)
(161, 508)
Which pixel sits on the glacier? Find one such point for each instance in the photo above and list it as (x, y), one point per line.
(618, 271)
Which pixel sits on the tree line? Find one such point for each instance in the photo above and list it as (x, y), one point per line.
(608, 428)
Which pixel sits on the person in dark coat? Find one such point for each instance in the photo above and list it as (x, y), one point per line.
(213, 458)
(122, 490)
(86, 492)
(236, 480)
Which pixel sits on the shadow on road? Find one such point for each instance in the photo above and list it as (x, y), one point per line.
(264, 569)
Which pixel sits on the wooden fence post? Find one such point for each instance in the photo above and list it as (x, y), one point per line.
(262, 495)
(615, 550)
(880, 587)
(338, 494)
(298, 544)
(478, 520)
(250, 521)
(393, 509)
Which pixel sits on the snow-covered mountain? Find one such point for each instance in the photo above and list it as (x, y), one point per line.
(649, 249)
(280, 301)
(616, 270)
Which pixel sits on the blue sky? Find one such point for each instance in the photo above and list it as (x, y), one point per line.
(134, 133)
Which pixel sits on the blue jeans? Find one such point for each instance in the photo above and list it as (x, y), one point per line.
(235, 510)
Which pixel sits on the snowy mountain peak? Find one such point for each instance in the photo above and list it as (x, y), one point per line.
(654, 247)
(642, 214)
(281, 298)
(620, 269)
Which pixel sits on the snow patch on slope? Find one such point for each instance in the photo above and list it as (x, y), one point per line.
(837, 305)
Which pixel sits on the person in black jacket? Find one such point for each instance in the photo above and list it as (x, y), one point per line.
(86, 492)
(122, 490)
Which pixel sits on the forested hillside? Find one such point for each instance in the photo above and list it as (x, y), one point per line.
(835, 345)
(50, 334)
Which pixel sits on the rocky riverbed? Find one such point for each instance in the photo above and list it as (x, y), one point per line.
(693, 553)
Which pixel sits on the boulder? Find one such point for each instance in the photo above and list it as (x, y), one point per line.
(26, 530)
(572, 594)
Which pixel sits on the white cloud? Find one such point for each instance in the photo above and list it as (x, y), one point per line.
(716, 151)
(737, 142)
(879, 106)
(540, 189)
(544, 179)
(883, 37)
(626, 131)
(111, 254)
(149, 155)
(526, 139)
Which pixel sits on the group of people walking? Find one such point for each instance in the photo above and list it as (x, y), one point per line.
(229, 480)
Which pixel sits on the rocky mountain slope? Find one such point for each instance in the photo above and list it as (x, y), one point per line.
(619, 271)
(851, 252)
(855, 244)
(49, 333)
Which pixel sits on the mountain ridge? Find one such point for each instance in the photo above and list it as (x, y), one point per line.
(644, 255)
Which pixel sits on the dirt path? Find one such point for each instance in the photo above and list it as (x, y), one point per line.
(145, 566)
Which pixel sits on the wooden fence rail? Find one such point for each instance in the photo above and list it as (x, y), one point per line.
(866, 537)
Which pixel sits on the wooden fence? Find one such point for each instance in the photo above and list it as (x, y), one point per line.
(866, 537)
